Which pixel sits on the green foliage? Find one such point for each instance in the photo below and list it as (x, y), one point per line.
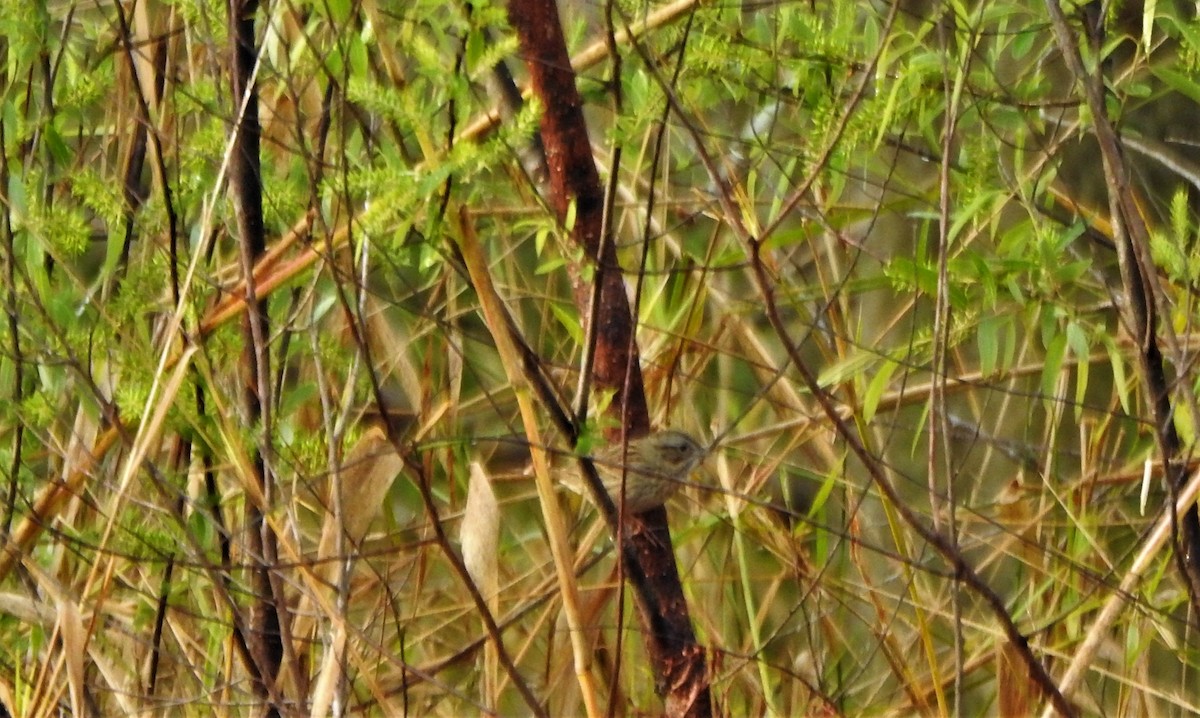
(827, 125)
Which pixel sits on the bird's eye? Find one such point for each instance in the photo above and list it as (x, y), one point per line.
(678, 451)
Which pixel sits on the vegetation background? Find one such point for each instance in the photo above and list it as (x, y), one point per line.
(922, 274)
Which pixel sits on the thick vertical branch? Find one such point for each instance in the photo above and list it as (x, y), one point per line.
(678, 661)
(573, 178)
(264, 635)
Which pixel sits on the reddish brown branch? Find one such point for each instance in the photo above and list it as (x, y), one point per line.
(678, 660)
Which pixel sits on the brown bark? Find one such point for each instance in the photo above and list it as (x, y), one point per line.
(263, 636)
(679, 662)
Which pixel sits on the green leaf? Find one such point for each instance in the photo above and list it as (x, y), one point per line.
(1022, 43)
(875, 389)
(16, 198)
(1185, 427)
(569, 321)
(474, 49)
(55, 144)
(1148, 11)
(1181, 220)
(359, 65)
(1168, 255)
(1078, 342)
(1056, 352)
(569, 221)
(847, 368)
(987, 338)
(550, 265)
(822, 495)
(1070, 272)
(1184, 84)
(1137, 89)
(1010, 346)
(339, 10)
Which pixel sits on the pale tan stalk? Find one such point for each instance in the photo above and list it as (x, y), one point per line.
(496, 316)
